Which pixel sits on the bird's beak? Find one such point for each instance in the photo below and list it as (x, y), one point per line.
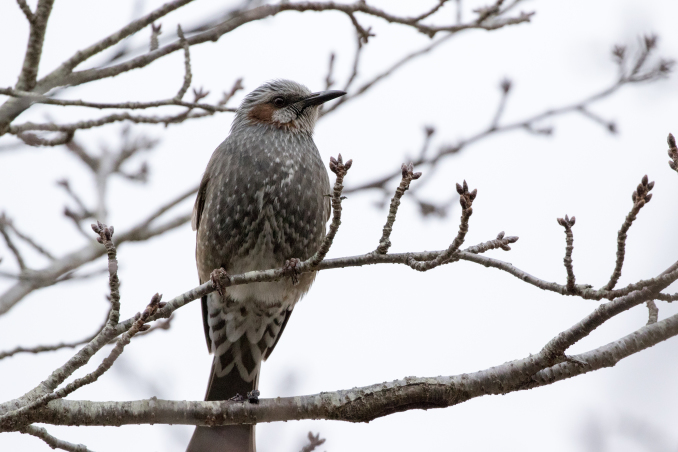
(321, 97)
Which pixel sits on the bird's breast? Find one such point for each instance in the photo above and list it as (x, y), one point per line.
(265, 203)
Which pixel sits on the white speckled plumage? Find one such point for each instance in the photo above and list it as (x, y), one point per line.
(262, 200)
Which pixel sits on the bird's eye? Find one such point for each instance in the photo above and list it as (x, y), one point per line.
(279, 102)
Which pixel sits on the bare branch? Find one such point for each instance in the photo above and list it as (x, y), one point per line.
(10, 243)
(77, 149)
(529, 124)
(32, 139)
(466, 200)
(558, 345)
(667, 297)
(567, 223)
(105, 237)
(329, 81)
(265, 11)
(85, 213)
(156, 30)
(187, 65)
(116, 37)
(653, 312)
(430, 12)
(505, 86)
(36, 38)
(42, 99)
(339, 168)
(365, 403)
(51, 274)
(8, 223)
(356, 63)
(13, 418)
(408, 175)
(92, 123)
(640, 197)
(53, 441)
(26, 10)
(50, 348)
(397, 65)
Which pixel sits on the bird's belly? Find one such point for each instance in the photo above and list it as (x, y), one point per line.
(263, 256)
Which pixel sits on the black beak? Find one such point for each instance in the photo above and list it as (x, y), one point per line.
(321, 97)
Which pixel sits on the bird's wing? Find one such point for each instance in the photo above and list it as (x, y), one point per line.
(288, 313)
(199, 202)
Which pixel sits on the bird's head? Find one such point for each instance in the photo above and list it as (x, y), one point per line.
(283, 104)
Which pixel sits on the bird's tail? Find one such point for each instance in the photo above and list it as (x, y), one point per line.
(227, 438)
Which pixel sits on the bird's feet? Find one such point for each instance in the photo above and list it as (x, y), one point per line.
(291, 269)
(220, 280)
(237, 398)
(253, 396)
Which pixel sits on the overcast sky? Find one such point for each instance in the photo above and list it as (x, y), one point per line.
(387, 322)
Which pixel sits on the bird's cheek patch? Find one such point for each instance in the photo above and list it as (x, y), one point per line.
(262, 113)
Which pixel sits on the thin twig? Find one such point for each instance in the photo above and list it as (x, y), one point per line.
(105, 237)
(375, 80)
(567, 223)
(528, 124)
(32, 139)
(40, 249)
(640, 197)
(9, 420)
(50, 348)
(10, 243)
(188, 76)
(505, 86)
(466, 200)
(329, 81)
(26, 10)
(53, 441)
(653, 312)
(36, 39)
(356, 63)
(42, 99)
(667, 297)
(65, 184)
(339, 168)
(408, 175)
(156, 30)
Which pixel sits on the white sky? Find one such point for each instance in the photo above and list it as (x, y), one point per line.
(387, 322)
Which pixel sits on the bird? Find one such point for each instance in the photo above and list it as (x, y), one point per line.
(262, 203)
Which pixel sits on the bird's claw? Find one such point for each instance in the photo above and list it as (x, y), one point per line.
(237, 398)
(291, 269)
(220, 280)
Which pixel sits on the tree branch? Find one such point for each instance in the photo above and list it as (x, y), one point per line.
(359, 404)
(36, 38)
(53, 441)
(567, 223)
(640, 197)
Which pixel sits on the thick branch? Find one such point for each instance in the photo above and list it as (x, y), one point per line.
(358, 404)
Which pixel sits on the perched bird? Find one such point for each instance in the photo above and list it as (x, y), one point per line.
(263, 201)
